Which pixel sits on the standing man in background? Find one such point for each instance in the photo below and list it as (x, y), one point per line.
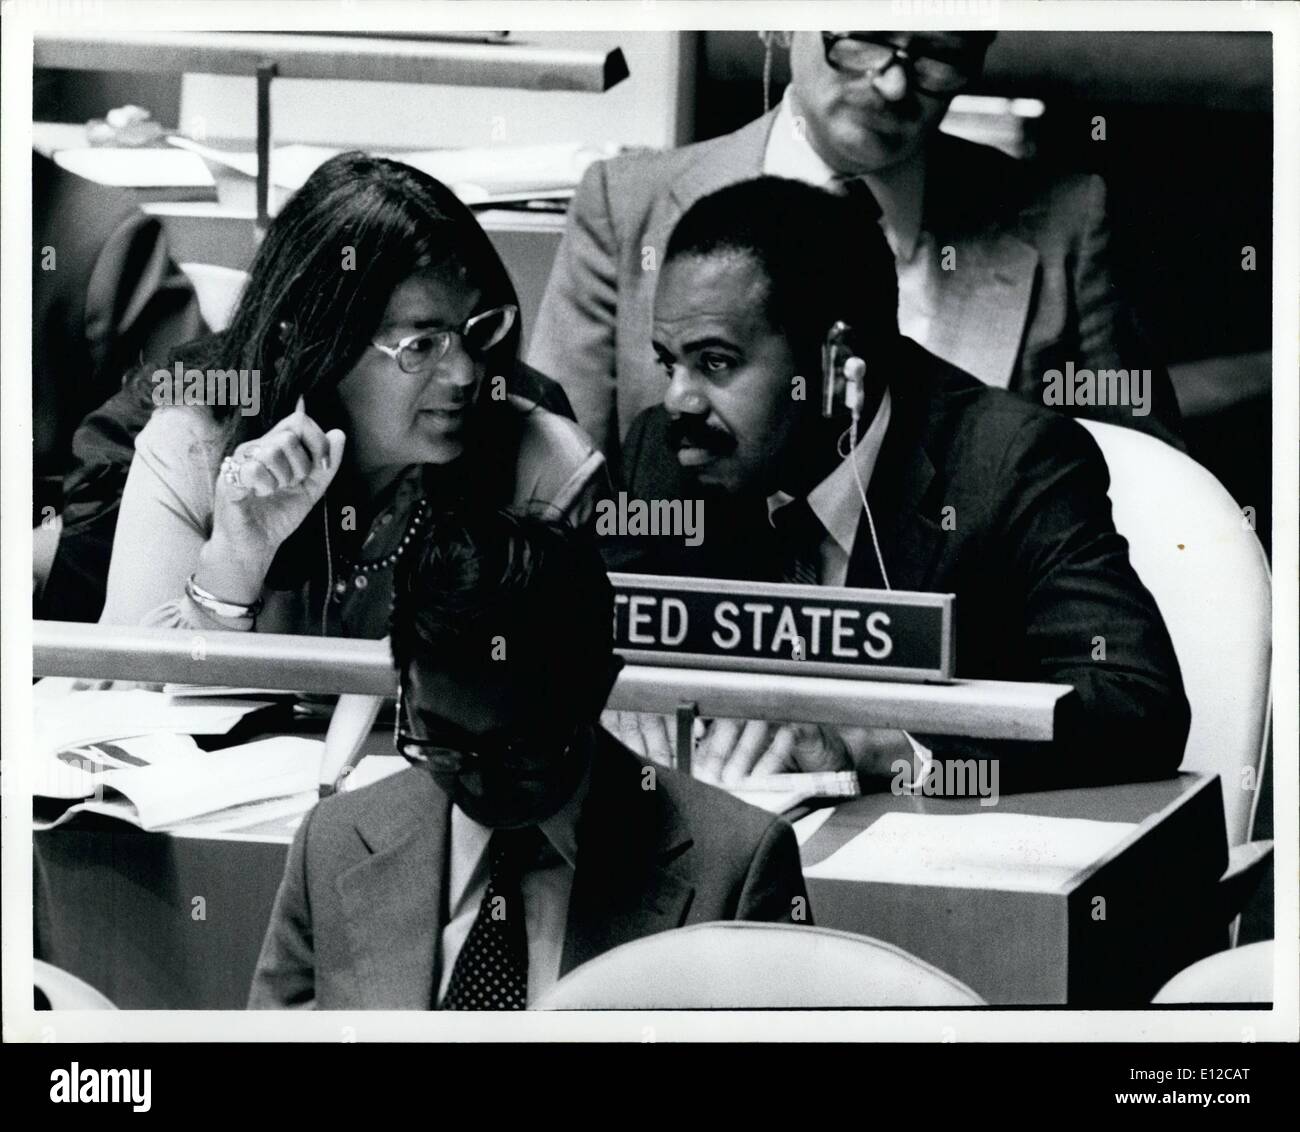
(1003, 269)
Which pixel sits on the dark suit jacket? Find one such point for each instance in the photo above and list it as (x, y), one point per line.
(359, 914)
(110, 299)
(1032, 285)
(1037, 567)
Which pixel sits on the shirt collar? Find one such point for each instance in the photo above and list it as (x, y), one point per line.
(899, 190)
(469, 839)
(835, 501)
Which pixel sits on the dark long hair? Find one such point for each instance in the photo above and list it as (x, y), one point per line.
(326, 270)
(316, 294)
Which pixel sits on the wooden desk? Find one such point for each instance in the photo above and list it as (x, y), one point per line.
(123, 911)
(1041, 948)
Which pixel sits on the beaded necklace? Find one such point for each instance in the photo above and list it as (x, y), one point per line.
(360, 571)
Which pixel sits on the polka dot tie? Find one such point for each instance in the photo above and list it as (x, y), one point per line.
(491, 971)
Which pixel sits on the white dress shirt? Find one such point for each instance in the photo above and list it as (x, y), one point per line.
(900, 192)
(838, 506)
(836, 501)
(545, 891)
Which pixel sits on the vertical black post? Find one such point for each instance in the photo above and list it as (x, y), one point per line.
(685, 746)
(265, 73)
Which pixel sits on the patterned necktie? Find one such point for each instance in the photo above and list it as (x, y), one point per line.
(800, 535)
(857, 190)
(491, 971)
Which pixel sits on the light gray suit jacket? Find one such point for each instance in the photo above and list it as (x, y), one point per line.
(1032, 288)
(362, 905)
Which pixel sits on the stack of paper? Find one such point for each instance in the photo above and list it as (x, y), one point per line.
(185, 785)
(779, 793)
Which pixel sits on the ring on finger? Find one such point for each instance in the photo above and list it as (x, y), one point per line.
(230, 469)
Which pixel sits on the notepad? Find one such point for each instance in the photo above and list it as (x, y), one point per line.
(1009, 852)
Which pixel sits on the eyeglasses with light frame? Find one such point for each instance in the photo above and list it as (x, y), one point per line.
(420, 353)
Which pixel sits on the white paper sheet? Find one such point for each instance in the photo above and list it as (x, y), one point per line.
(78, 771)
(66, 720)
(142, 168)
(76, 717)
(186, 787)
(476, 175)
(1011, 852)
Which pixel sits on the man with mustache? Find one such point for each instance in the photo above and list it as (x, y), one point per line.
(525, 840)
(1003, 268)
(941, 484)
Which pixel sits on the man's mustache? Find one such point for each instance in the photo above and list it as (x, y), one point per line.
(696, 432)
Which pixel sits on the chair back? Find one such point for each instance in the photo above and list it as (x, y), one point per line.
(1198, 554)
(217, 289)
(66, 992)
(741, 964)
(1243, 974)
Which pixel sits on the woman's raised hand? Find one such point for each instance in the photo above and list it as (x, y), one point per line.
(264, 491)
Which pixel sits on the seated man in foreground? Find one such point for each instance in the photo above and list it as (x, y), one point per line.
(936, 484)
(525, 840)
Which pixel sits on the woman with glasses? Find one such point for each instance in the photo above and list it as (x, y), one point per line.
(380, 332)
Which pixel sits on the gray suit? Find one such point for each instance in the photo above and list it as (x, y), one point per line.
(361, 908)
(1031, 288)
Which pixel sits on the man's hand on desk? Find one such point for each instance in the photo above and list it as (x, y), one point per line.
(733, 749)
(729, 750)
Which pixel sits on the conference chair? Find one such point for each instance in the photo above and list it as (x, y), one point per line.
(1196, 551)
(64, 991)
(738, 964)
(1242, 974)
(217, 289)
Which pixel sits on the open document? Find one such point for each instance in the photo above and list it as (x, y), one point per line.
(162, 782)
(69, 722)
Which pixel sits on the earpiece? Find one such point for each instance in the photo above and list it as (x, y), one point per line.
(855, 369)
(855, 372)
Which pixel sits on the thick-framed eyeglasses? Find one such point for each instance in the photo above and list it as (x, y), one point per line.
(872, 54)
(419, 353)
(449, 750)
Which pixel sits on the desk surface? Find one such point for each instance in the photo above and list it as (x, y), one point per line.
(1111, 935)
(157, 922)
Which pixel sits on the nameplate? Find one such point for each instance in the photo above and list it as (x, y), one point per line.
(794, 629)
